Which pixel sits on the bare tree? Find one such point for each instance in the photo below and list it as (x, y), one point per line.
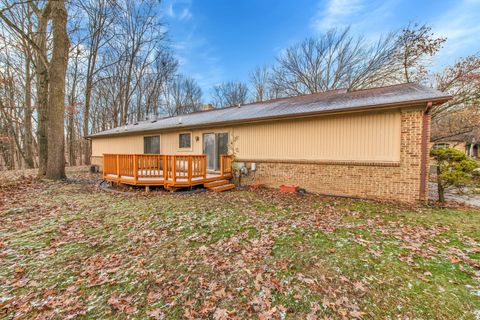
(50, 82)
(71, 108)
(99, 19)
(10, 119)
(156, 81)
(13, 19)
(462, 81)
(56, 91)
(182, 96)
(461, 115)
(337, 59)
(229, 94)
(119, 74)
(42, 83)
(28, 134)
(138, 36)
(334, 60)
(415, 44)
(263, 87)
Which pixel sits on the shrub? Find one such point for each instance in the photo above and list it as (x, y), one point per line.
(454, 169)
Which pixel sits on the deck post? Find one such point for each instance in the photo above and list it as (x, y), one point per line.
(165, 169)
(118, 166)
(135, 168)
(103, 165)
(174, 169)
(222, 160)
(189, 169)
(230, 163)
(204, 167)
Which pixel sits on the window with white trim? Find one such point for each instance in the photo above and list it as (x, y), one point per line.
(185, 140)
(151, 145)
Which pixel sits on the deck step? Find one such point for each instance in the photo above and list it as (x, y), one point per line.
(215, 183)
(223, 187)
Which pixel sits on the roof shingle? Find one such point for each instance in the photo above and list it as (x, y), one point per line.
(326, 102)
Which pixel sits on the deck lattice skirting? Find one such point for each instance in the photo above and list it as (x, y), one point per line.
(170, 171)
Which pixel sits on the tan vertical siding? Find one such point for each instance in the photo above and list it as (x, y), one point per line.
(362, 137)
(127, 144)
(169, 140)
(351, 137)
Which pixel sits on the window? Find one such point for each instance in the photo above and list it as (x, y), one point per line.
(441, 146)
(184, 140)
(151, 145)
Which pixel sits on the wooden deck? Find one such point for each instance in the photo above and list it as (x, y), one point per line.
(169, 171)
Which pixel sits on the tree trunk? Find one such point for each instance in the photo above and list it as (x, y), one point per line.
(472, 148)
(5, 152)
(71, 139)
(72, 103)
(56, 92)
(42, 92)
(13, 127)
(88, 96)
(88, 91)
(127, 93)
(28, 138)
(441, 190)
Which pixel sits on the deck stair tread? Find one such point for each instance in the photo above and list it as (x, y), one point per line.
(223, 187)
(215, 183)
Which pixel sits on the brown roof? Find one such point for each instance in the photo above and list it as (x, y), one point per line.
(306, 105)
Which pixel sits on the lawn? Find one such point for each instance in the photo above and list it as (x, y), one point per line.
(70, 249)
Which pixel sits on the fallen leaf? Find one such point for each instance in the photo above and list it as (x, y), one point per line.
(156, 314)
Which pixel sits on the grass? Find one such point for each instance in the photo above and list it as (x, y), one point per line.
(68, 249)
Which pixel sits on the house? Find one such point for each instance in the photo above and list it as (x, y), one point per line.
(463, 144)
(370, 143)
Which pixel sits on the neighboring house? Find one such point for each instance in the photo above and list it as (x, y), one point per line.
(461, 144)
(368, 143)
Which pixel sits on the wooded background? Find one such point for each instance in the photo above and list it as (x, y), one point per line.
(72, 68)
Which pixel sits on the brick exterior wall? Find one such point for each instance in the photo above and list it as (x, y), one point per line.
(400, 181)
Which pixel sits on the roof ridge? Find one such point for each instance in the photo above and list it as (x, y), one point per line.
(339, 90)
(323, 93)
(390, 86)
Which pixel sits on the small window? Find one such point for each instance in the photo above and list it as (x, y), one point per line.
(184, 140)
(441, 146)
(151, 145)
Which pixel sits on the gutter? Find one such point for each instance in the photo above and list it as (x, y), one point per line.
(424, 152)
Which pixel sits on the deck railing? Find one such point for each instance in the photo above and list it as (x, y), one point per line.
(185, 168)
(226, 164)
(172, 169)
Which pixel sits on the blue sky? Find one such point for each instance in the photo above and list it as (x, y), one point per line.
(221, 40)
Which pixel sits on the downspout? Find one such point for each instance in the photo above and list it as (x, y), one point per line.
(424, 153)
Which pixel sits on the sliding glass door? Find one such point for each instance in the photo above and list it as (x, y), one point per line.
(214, 145)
